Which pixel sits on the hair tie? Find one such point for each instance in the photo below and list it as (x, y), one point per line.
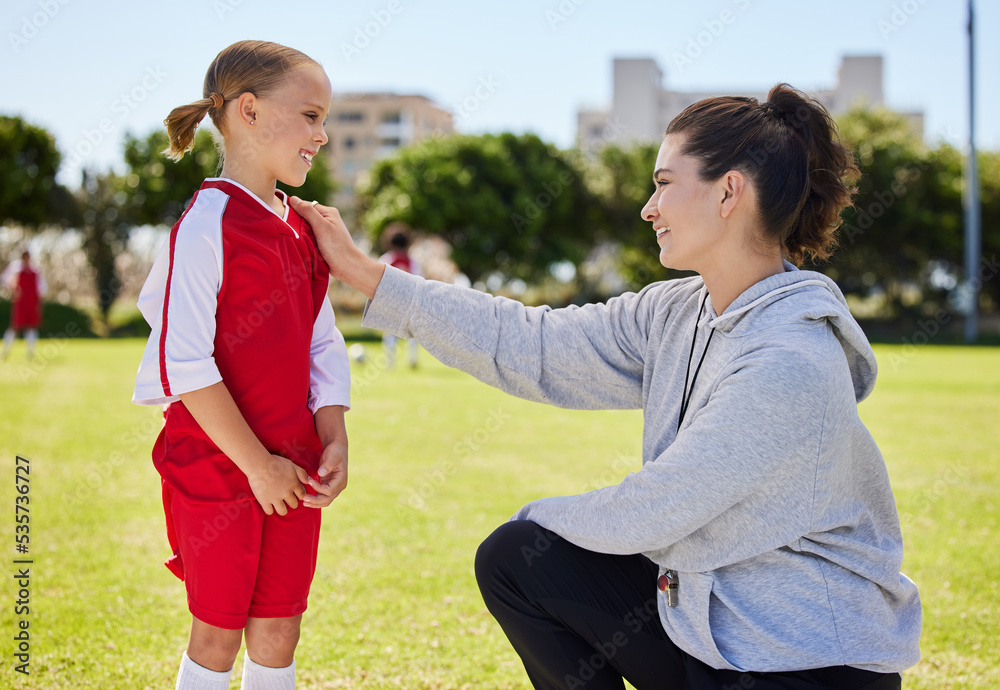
(771, 108)
(217, 99)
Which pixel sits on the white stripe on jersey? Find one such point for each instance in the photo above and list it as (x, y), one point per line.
(195, 276)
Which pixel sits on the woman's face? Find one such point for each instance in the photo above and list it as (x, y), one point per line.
(683, 209)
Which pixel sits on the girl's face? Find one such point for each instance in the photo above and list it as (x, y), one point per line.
(683, 209)
(289, 127)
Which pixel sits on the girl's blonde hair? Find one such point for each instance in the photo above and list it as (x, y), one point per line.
(257, 67)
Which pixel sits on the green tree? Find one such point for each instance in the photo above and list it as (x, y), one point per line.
(989, 176)
(622, 179)
(29, 161)
(906, 213)
(105, 232)
(507, 204)
(156, 189)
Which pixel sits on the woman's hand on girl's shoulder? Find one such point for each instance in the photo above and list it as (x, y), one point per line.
(347, 263)
(332, 236)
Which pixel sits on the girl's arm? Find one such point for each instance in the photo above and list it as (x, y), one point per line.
(276, 482)
(333, 464)
(329, 399)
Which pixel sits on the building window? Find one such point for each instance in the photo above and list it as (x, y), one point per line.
(350, 116)
(349, 143)
(389, 141)
(393, 118)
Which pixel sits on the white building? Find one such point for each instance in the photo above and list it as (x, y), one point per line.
(364, 127)
(642, 107)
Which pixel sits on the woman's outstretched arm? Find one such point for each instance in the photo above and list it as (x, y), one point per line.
(589, 357)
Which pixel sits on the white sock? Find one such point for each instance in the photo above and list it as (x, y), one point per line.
(257, 677)
(31, 337)
(8, 341)
(193, 676)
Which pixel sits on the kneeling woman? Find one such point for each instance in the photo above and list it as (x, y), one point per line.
(759, 545)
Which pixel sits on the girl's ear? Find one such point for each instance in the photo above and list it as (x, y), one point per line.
(731, 188)
(246, 109)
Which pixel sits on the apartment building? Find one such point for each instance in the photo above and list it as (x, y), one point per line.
(642, 106)
(364, 127)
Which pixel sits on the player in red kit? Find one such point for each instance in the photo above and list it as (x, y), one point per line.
(28, 287)
(245, 350)
(398, 256)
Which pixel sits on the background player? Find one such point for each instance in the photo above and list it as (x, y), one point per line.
(245, 349)
(28, 287)
(398, 256)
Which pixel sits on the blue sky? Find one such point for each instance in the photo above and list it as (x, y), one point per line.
(71, 65)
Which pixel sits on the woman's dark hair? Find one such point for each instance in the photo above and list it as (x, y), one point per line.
(790, 150)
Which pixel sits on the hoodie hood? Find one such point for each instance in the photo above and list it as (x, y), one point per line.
(808, 295)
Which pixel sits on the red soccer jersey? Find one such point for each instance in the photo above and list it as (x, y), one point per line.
(238, 294)
(27, 309)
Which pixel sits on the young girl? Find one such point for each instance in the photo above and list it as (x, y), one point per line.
(244, 347)
(759, 545)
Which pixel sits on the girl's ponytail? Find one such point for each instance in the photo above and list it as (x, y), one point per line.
(183, 121)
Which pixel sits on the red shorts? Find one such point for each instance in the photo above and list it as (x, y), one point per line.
(238, 562)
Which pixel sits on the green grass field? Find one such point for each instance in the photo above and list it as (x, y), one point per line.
(437, 461)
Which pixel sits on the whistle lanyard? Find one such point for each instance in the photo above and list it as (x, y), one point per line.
(686, 397)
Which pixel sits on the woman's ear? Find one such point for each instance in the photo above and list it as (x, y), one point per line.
(731, 187)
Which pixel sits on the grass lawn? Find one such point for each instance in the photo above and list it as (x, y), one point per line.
(437, 461)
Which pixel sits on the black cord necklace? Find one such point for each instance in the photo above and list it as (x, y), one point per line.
(686, 397)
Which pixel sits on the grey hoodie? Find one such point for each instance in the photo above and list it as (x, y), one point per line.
(772, 501)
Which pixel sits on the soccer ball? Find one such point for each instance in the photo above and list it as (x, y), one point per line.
(357, 353)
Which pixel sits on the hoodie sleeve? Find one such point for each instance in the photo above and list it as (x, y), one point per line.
(754, 445)
(579, 357)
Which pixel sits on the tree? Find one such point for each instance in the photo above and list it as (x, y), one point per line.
(507, 204)
(906, 213)
(105, 232)
(989, 176)
(29, 161)
(157, 189)
(622, 179)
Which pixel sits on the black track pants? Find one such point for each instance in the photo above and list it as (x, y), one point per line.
(580, 619)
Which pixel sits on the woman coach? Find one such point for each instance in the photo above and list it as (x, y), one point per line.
(759, 545)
